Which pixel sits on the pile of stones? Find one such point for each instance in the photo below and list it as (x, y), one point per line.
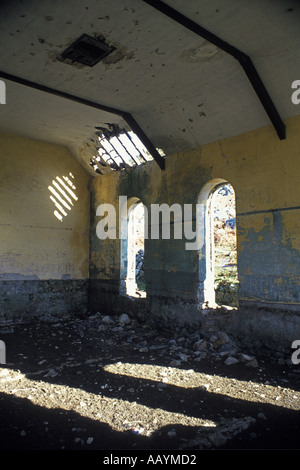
(180, 345)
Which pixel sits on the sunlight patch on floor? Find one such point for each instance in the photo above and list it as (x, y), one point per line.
(214, 384)
(93, 406)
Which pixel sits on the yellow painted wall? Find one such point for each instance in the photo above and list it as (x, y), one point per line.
(265, 174)
(34, 243)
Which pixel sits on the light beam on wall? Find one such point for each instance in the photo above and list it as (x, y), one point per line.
(63, 195)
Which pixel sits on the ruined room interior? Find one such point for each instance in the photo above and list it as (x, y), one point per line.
(111, 338)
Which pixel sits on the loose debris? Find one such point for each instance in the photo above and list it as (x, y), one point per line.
(115, 382)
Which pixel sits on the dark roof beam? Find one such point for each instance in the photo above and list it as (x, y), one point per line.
(128, 118)
(243, 59)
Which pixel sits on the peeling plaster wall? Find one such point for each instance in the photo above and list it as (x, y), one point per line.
(44, 262)
(265, 174)
(268, 223)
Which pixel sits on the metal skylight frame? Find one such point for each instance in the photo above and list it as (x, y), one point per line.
(128, 118)
(118, 149)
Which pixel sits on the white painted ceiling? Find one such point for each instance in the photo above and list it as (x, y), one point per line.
(182, 91)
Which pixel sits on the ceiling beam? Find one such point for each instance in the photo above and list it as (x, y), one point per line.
(243, 59)
(128, 118)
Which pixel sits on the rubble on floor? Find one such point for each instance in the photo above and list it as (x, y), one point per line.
(180, 389)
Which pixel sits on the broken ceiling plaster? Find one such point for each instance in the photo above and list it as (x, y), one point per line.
(205, 52)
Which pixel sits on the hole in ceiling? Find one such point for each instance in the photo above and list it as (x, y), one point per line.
(118, 149)
(87, 50)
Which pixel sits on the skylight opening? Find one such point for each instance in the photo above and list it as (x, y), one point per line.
(140, 147)
(124, 154)
(119, 149)
(131, 149)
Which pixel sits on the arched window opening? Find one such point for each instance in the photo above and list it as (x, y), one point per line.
(132, 251)
(225, 246)
(218, 274)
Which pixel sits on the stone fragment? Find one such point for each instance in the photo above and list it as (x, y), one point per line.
(124, 319)
(183, 357)
(161, 385)
(252, 363)
(107, 320)
(222, 338)
(117, 329)
(231, 360)
(175, 363)
(203, 387)
(245, 358)
(51, 373)
(200, 345)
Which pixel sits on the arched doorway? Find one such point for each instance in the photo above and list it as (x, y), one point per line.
(218, 275)
(132, 249)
